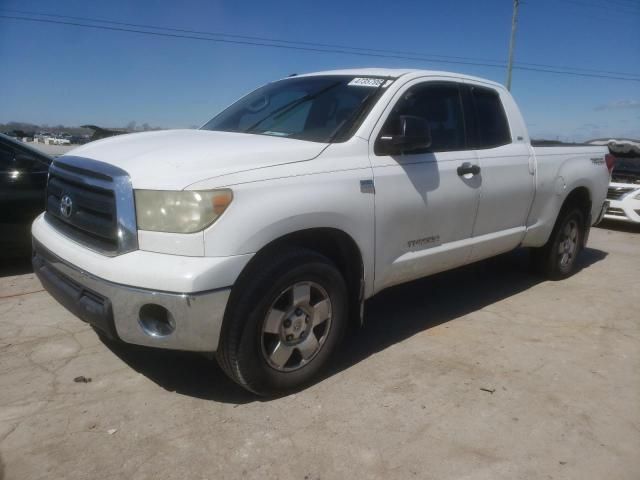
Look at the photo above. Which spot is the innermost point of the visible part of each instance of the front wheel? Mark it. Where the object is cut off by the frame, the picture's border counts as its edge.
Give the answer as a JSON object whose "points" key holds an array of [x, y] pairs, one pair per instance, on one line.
{"points": [[284, 323], [557, 258]]}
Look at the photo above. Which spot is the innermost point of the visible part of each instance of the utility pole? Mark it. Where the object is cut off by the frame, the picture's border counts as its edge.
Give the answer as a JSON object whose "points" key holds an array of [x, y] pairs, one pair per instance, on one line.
{"points": [[512, 43]]}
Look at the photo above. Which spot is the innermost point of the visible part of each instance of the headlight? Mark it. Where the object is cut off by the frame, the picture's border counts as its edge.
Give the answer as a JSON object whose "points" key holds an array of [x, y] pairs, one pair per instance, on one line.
{"points": [[637, 197], [181, 211]]}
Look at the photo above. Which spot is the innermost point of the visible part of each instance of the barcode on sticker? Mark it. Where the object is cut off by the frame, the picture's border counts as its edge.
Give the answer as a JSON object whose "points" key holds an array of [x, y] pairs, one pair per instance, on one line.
{"points": [[366, 82]]}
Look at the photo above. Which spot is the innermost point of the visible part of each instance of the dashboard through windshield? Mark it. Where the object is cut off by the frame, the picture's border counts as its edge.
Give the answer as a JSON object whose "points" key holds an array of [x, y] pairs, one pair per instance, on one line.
{"points": [[322, 108]]}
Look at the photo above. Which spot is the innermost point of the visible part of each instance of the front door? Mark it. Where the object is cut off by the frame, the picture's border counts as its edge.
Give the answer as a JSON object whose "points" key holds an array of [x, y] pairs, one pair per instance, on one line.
{"points": [[425, 207]]}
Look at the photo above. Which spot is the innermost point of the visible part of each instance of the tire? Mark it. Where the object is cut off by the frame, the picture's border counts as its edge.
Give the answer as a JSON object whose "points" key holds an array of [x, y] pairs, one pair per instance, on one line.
{"points": [[557, 258], [273, 340]]}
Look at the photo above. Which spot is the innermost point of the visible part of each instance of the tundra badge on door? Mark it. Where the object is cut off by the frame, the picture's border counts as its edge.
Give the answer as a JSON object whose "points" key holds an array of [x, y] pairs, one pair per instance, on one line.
{"points": [[432, 241]]}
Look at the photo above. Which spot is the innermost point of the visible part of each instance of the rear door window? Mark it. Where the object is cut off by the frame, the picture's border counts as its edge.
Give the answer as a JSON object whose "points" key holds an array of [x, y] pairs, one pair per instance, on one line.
{"points": [[492, 126]]}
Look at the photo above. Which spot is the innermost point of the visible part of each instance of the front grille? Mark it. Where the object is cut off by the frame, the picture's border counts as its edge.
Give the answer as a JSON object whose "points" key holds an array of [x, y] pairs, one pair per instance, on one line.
{"points": [[92, 203], [92, 215], [618, 212], [616, 193]]}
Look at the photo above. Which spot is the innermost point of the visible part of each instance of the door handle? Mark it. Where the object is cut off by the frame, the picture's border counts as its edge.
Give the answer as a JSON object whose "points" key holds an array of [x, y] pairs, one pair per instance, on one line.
{"points": [[367, 186], [466, 168]]}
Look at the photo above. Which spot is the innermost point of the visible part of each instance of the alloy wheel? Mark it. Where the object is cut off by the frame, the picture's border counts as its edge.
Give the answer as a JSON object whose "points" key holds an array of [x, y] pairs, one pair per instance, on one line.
{"points": [[296, 326]]}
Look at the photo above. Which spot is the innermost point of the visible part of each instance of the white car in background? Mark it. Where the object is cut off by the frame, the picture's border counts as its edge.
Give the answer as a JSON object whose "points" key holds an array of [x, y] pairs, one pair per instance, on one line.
{"points": [[624, 190]]}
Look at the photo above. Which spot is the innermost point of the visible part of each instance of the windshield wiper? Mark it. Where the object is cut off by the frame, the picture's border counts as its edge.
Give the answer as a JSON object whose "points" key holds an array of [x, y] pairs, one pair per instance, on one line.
{"points": [[283, 110]]}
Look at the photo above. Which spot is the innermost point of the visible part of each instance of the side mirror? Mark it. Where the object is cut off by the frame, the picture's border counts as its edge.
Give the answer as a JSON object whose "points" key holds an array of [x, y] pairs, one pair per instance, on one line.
{"points": [[410, 133]]}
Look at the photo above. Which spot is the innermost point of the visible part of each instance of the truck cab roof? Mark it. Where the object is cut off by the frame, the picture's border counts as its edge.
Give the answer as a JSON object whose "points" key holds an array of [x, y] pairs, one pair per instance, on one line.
{"points": [[401, 72]]}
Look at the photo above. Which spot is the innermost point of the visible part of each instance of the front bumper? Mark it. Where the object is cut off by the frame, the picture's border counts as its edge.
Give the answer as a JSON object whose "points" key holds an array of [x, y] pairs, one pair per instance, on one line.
{"points": [[627, 211], [626, 208], [115, 309]]}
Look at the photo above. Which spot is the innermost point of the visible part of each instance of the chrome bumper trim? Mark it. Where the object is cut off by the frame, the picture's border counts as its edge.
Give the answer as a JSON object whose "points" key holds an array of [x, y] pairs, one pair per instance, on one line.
{"points": [[198, 316]]}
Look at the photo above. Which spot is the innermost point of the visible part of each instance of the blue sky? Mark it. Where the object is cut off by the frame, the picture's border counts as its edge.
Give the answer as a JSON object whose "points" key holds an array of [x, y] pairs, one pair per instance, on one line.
{"points": [[57, 74]]}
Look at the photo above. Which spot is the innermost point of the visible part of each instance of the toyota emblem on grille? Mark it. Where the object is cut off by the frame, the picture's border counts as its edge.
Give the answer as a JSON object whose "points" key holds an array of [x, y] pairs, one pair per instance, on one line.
{"points": [[66, 206]]}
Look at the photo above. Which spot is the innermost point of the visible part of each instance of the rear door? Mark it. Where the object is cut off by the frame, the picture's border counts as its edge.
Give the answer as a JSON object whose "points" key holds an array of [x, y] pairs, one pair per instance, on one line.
{"points": [[424, 208], [508, 182]]}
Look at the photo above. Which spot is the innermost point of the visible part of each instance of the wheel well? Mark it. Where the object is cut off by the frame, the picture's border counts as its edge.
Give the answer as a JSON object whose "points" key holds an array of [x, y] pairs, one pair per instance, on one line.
{"points": [[579, 197], [334, 244]]}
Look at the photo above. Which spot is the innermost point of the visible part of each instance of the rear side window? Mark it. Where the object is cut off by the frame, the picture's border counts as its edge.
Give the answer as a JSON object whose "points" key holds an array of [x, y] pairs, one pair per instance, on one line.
{"points": [[491, 121]]}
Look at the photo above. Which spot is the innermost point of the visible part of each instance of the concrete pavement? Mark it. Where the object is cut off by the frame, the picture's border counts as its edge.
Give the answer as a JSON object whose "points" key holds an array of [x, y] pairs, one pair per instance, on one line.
{"points": [[485, 372]]}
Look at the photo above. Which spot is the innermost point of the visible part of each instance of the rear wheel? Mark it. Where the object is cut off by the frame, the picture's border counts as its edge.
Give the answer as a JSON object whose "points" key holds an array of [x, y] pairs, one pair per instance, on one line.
{"points": [[284, 323], [557, 258]]}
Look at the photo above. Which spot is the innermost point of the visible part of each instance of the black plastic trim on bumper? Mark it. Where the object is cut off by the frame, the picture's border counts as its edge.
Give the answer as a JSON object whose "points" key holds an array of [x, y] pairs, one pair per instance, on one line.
{"points": [[89, 306]]}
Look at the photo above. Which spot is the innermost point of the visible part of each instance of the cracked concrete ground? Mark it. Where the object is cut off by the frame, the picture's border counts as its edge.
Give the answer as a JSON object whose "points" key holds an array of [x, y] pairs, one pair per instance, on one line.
{"points": [[559, 363]]}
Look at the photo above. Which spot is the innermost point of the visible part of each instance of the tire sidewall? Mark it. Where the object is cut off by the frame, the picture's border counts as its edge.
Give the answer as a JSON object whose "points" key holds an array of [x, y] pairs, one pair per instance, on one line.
{"points": [[256, 373], [553, 257]]}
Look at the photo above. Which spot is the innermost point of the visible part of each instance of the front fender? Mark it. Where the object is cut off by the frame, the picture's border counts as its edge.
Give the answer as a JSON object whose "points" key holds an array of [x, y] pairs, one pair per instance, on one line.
{"points": [[264, 211]]}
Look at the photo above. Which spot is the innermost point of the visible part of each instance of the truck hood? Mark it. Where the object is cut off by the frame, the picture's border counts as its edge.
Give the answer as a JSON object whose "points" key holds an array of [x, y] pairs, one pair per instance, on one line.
{"points": [[174, 159]]}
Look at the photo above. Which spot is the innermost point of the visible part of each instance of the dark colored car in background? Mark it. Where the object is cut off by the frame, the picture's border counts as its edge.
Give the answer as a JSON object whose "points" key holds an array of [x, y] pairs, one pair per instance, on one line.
{"points": [[23, 179]]}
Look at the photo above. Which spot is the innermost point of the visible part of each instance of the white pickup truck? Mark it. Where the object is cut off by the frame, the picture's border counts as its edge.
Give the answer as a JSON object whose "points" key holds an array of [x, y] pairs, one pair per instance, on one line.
{"points": [[260, 235]]}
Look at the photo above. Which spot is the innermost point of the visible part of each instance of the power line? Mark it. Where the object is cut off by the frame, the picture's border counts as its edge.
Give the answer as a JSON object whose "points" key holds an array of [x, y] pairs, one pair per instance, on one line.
{"points": [[312, 49], [575, 73], [623, 3], [633, 3], [618, 3], [247, 37], [579, 69], [428, 57], [246, 42], [610, 4], [593, 5]]}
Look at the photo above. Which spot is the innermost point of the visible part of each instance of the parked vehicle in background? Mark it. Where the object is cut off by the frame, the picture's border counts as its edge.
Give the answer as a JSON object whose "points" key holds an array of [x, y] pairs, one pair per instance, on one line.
{"points": [[53, 139], [23, 179], [624, 189], [260, 235]]}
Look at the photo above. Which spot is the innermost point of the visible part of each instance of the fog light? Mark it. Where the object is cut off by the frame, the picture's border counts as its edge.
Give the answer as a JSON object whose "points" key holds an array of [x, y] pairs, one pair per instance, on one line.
{"points": [[156, 320]]}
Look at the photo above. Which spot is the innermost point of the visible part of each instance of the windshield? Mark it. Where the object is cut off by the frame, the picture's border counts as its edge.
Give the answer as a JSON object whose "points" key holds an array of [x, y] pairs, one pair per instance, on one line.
{"points": [[325, 108]]}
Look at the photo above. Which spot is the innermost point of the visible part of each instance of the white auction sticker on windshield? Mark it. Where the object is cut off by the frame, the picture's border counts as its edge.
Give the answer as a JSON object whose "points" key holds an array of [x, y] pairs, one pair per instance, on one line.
{"points": [[366, 82]]}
